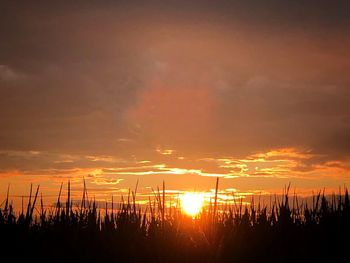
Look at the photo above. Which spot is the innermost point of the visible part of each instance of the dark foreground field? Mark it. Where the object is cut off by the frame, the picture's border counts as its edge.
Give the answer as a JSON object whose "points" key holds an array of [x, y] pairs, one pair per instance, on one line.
{"points": [[288, 231]]}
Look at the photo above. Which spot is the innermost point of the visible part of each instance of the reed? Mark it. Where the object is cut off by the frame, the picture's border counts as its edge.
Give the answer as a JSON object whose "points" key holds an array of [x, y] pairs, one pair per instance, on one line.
{"points": [[131, 233]]}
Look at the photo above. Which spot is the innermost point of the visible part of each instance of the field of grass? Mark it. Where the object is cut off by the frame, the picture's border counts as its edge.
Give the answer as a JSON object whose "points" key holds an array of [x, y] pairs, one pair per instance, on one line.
{"points": [[288, 230]]}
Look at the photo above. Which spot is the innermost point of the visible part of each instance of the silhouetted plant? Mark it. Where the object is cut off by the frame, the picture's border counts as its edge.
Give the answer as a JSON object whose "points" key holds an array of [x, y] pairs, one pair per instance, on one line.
{"points": [[130, 233]]}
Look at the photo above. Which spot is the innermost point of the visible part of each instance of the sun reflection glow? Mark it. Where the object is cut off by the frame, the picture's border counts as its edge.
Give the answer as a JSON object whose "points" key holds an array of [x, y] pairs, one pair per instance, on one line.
{"points": [[192, 203]]}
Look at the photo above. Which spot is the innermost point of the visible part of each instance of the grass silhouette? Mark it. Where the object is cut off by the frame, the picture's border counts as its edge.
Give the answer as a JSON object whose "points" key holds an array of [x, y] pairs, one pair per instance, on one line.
{"points": [[126, 233]]}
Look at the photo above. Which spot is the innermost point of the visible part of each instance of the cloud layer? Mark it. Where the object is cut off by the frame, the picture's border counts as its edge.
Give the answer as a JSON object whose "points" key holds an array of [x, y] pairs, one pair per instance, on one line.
{"points": [[168, 82]]}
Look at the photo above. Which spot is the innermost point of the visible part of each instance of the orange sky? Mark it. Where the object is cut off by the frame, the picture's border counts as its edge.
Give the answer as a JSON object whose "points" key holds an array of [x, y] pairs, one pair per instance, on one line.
{"points": [[182, 91]]}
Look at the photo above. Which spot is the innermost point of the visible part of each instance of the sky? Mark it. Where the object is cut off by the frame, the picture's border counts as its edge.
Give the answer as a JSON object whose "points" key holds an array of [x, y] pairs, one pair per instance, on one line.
{"points": [[254, 92]]}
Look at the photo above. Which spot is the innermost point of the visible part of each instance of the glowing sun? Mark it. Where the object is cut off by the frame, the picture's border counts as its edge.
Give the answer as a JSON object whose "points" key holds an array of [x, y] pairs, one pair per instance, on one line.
{"points": [[191, 203]]}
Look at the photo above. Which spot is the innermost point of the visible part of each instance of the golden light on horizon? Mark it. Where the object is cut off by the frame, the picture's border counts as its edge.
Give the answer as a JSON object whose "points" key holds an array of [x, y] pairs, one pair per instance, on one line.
{"points": [[192, 203]]}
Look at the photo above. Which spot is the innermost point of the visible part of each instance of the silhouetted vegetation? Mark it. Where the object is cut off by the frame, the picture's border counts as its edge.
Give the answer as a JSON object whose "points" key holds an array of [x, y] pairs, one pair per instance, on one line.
{"points": [[285, 231]]}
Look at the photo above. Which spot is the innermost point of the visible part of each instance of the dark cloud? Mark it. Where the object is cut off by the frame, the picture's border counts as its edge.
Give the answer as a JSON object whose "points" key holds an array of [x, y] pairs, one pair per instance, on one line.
{"points": [[215, 78]]}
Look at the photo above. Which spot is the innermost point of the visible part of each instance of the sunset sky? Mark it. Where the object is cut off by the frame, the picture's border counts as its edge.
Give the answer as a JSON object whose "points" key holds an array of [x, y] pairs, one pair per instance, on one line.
{"points": [[255, 92]]}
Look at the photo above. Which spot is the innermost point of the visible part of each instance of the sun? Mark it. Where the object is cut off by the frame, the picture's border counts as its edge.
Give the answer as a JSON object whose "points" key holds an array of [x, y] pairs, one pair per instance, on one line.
{"points": [[191, 203]]}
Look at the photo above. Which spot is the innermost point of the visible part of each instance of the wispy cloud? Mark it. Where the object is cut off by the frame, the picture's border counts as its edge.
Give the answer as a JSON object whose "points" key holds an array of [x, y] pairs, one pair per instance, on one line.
{"points": [[279, 163], [160, 169], [164, 151]]}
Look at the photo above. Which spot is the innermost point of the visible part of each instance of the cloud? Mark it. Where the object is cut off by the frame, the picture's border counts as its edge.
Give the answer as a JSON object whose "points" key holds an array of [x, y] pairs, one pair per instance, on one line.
{"points": [[7, 74], [106, 85]]}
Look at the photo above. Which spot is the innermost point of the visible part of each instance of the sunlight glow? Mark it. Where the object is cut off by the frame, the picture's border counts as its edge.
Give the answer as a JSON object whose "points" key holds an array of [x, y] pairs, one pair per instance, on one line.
{"points": [[191, 203]]}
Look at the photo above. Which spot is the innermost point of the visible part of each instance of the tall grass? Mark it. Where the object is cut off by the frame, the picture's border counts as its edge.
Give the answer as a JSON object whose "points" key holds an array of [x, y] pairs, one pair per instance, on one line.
{"points": [[127, 232]]}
